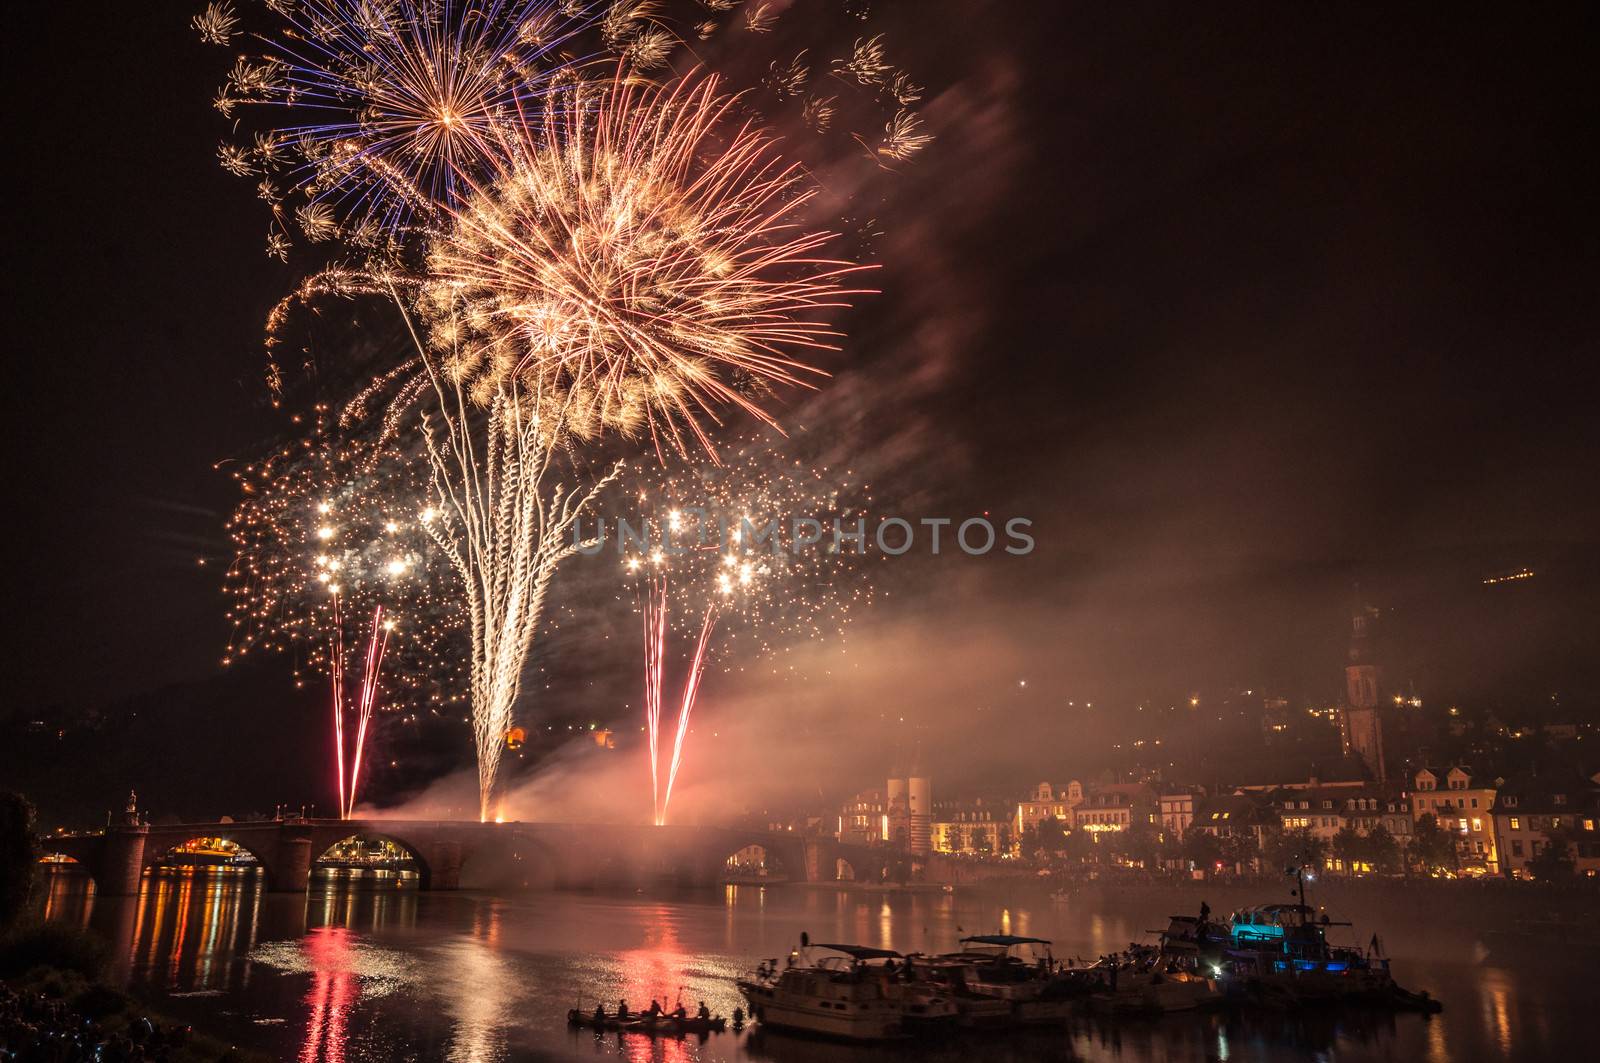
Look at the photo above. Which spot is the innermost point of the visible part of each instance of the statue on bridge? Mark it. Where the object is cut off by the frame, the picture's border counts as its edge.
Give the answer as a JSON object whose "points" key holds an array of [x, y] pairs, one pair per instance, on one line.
{"points": [[130, 815]]}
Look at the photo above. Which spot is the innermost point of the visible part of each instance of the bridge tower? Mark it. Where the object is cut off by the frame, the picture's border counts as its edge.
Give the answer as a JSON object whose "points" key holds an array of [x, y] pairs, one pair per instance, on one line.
{"points": [[1360, 724], [919, 806], [121, 862]]}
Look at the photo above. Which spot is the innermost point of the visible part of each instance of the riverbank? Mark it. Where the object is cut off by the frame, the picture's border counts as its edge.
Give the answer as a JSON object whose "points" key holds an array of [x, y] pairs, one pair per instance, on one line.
{"points": [[53, 1005]]}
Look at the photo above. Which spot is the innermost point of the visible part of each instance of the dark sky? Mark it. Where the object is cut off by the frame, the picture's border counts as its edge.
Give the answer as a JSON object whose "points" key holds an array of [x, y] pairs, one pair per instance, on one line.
{"points": [[1243, 307]]}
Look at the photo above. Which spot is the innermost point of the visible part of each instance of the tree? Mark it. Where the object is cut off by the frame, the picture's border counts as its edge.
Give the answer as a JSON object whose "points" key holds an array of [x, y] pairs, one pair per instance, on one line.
{"points": [[1350, 848], [1203, 849], [1288, 849], [1171, 848], [1030, 844], [1553, 862], [1432, 847], [1137, 843], [1052, 837], [18, 856], [1240, 850], [1383, 851], [1078, 844]]}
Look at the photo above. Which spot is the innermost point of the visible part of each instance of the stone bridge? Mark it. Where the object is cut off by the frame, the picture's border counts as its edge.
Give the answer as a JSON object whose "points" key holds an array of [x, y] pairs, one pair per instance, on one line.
{"points": [[490, 855]]}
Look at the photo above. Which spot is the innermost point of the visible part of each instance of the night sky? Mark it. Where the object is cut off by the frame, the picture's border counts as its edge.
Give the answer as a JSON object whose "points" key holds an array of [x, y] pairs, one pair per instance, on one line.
{"points": [[1255, 312]]}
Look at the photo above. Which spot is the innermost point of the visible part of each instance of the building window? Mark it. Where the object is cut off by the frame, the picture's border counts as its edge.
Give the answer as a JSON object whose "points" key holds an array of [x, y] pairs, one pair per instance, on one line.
{"points": [[1474, 802], [1516, 824], [1516, 848], [1588, 824]]}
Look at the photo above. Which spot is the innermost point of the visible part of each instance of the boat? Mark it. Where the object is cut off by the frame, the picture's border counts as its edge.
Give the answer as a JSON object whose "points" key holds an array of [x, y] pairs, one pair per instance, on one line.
{"points": [[658, 1025], [1151, 990], [1040, 990], [1279, 955], [955, 978], [851, 992]]}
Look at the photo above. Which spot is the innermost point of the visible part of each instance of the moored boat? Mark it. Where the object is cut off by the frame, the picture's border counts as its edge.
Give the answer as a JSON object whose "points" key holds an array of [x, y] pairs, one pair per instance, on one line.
{"points": [[846, 991]]}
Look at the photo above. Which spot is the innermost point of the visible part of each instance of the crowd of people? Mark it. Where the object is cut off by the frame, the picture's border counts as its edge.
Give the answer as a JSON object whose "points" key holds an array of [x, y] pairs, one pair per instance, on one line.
{"points": [[35, 1028]]}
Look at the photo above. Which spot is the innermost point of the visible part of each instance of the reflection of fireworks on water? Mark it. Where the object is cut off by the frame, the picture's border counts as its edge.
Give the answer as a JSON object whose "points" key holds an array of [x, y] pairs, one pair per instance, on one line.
{"points": [[740, 555], [331, 549]]}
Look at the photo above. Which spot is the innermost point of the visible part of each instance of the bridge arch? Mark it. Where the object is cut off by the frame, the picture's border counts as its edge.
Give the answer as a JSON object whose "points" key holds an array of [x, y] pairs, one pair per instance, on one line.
{"points": [[754, 862], [54, 858], [207, 850], [365, 849]]}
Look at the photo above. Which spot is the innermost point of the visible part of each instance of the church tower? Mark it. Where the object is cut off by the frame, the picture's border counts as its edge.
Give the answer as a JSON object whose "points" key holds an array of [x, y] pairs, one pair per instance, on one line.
{"points": [[1360, 725]]}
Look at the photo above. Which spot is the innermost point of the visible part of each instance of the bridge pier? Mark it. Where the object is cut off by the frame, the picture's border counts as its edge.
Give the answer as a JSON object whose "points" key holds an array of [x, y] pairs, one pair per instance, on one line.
{"points": [[444, 866], [288, 867], [121, 864]]}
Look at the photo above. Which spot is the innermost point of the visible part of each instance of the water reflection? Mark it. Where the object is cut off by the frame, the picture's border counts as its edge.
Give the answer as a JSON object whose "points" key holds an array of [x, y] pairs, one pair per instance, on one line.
{"points": [[334, 990], [476, 983], [361, 969]]}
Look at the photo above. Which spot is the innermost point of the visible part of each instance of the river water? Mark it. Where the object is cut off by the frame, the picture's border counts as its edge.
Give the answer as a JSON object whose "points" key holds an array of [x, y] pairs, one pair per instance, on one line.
{"points": [[368, 969]]}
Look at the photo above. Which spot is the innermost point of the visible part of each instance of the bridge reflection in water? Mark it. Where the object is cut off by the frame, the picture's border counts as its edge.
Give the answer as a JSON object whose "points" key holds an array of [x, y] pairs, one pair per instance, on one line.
{"points": [[362, 969]]}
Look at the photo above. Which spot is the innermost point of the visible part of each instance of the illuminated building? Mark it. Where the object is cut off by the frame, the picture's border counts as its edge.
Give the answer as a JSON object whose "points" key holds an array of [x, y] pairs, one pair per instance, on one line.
{"points": [[1324, 811], [864, 819], [1115, 806], [1532, 812], [1397, 818], [961, 828], [1462, 809], [1048, 802], [1239, 815], [1177, 809]]}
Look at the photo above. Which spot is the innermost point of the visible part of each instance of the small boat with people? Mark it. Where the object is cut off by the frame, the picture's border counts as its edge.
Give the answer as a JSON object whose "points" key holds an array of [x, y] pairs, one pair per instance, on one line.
{"points": [[654, 1021]]}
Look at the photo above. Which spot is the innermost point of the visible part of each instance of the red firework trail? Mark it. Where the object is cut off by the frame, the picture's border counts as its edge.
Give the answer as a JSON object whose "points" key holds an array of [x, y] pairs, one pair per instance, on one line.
{"points": [[338, 700], [366, 701], [691, 690], [377, 642]]}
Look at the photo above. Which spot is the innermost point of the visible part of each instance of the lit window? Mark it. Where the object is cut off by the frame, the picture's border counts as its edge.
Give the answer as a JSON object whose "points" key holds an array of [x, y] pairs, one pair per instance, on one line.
{"points": [[1588, 824], [1516, 824]]}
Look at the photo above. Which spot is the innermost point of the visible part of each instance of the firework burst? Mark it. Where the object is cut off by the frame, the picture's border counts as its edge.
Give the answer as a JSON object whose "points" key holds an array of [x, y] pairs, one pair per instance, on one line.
{"points": [[639, 261], [378, 108], [742, 556], [331, 550]]}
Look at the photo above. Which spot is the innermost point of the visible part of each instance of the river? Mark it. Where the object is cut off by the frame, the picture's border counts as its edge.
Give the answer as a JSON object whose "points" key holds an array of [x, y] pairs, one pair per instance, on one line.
{"points": [[368, 969]]}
